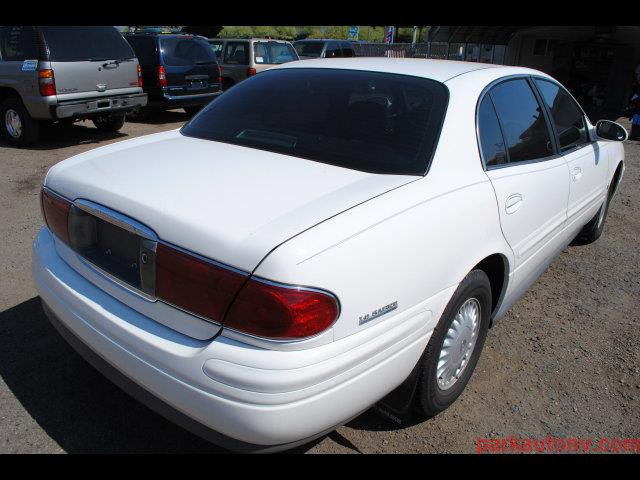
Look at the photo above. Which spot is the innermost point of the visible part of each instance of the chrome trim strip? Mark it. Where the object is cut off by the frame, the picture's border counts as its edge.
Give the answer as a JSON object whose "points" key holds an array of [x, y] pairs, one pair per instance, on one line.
{"points": [[116, 218]]}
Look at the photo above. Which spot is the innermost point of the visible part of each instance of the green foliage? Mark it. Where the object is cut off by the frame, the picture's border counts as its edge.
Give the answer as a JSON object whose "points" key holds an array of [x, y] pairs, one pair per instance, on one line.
{"points": [[368, 34]]}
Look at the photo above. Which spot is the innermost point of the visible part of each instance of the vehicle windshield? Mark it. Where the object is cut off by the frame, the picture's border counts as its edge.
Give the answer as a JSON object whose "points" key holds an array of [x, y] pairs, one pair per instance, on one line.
{"points": [[368, 121], [273, 53], [85, 43], [309, 49], [186, 50]]}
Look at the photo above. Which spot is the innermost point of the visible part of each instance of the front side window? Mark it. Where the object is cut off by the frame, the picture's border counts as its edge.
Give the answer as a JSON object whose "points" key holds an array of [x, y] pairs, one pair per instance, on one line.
{"points": [[566, 115], [523, 122], [368, 121], [490, 136], [18, 43]]}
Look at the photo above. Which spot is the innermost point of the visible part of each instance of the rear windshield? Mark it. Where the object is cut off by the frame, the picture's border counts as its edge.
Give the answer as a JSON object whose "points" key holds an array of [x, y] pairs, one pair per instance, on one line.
{"points": [[82, 43], [309, 49], [183, 51], [369, 121], [273, 53]]}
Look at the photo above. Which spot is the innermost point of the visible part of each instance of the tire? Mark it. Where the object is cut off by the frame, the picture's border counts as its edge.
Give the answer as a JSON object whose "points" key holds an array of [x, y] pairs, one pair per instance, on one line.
{"points": [[593, 230], [433, 396], [109, 123], [18, 128], [191, 111]]}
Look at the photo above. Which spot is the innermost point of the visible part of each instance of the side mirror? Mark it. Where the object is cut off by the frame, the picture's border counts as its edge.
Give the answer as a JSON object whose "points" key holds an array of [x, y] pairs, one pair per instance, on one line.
{"points": [[609, 130]]}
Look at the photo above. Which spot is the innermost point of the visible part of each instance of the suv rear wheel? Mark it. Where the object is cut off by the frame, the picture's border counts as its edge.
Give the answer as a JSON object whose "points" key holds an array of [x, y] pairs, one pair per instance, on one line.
{"points": [[17, 125], [109, 123]]}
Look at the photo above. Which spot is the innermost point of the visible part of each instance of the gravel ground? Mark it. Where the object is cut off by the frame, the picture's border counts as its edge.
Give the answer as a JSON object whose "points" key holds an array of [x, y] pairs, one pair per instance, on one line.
{"points": [[564, 362]]}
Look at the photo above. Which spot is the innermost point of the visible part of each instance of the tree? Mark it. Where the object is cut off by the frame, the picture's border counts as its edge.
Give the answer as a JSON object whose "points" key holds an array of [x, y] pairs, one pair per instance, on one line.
{"points": [[208, 32]]}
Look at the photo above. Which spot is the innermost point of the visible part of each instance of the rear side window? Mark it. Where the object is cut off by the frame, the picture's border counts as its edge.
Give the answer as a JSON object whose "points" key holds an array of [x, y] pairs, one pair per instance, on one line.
{"points": [[273, 53], [236, 53], [566, 115], [347, 50], [333, 50], [145, 49], [18, 43], [522, 119], [217, 49], [489, 133], [369, 121], [309, 49], [79, 43], [184, 51]]}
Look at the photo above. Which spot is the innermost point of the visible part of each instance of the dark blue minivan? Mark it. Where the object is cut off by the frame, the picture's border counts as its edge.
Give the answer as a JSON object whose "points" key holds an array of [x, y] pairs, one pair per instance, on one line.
{"points": [[178, 70]]}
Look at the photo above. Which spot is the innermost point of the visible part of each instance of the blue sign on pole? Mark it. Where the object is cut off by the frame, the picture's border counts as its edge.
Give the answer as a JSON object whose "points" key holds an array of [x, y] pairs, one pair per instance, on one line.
{"points": [[353, 33]]}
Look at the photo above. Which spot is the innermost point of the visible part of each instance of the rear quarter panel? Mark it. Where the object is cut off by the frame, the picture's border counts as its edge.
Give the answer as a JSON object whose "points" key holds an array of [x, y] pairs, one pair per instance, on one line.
{"points": [[407, 245]]}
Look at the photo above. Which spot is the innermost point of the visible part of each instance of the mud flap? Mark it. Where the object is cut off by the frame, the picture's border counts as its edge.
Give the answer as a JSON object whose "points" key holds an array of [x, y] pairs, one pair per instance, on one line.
{"points": [[397, 406]]}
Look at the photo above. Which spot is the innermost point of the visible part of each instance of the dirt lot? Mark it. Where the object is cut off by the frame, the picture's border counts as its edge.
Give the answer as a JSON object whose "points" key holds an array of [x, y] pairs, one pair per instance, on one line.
{"points": [[564, 362]]}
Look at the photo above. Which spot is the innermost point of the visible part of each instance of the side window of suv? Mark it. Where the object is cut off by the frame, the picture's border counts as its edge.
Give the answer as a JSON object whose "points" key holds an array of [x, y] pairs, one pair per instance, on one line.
{"points": [[333, 50], [236, 53], [217, 49], [18, 43], [145, 49], [522, 119], [347, 49], [566, 115]]}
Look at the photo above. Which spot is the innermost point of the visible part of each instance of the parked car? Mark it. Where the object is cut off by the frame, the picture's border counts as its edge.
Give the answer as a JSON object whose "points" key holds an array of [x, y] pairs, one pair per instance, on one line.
{"points": [[317, 237], [65, 74], [242, 58], [178, 71], [327, 48]]}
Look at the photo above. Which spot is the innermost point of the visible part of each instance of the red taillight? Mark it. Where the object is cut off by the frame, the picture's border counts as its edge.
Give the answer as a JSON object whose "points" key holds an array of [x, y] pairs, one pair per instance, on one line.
{"points": [[281, 312], [193, 284], [219, 74], [251, 71], [162, 77], [139, 76], [56, 213], [46, 82]]}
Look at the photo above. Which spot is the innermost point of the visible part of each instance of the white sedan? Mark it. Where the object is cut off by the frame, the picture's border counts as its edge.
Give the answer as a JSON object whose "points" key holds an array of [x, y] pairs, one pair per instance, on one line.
{"points": [[324, 235]]}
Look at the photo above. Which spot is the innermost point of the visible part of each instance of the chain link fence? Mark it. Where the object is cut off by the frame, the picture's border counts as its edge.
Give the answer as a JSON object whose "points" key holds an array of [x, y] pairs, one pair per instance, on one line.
{"points": [[445, 51]]}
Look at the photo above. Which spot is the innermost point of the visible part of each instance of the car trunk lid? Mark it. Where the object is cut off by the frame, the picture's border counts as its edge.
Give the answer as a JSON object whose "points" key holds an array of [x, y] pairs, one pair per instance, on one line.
{"points": [[228, 203]]}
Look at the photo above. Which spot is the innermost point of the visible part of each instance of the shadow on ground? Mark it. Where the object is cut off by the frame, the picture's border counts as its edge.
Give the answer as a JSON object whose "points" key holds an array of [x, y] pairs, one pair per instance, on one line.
{"points": [[81, 410], [159, 117], [76, 406], [54, 136]]}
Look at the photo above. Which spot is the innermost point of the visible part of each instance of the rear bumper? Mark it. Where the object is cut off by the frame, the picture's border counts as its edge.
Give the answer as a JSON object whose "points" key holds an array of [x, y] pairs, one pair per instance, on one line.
{"points": [[233, 394], [176, 101], [99, 106]]}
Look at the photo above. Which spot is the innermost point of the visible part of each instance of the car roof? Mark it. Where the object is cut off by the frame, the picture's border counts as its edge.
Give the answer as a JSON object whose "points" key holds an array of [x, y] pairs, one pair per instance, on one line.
{"points": [[439, 70]]}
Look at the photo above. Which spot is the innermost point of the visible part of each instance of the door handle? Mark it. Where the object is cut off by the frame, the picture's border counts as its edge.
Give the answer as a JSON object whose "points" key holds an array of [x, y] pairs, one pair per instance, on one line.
{"points": [[513, 203], [576, 174]]}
